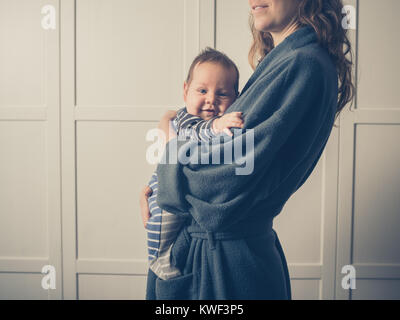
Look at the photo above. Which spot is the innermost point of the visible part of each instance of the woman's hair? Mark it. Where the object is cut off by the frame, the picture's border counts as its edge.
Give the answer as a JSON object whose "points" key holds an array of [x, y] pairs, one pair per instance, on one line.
{"points": [[325, 17], [214, 56]]}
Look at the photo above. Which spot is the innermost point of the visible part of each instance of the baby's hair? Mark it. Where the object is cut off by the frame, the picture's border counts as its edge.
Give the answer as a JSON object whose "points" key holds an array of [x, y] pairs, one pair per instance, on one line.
{"points": [[214, 56]]}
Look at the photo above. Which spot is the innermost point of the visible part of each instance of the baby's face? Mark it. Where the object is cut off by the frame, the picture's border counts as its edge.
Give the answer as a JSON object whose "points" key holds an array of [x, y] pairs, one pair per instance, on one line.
{"points": [[211, 90]]}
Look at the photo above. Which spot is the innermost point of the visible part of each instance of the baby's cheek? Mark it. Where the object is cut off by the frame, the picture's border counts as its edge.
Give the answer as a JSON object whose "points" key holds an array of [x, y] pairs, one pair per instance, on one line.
{"points": [[225, 106], [192, 108]]}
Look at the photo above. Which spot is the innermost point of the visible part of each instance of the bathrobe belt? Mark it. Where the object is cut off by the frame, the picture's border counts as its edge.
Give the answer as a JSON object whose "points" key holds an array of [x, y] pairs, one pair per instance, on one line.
{"points": [[244, 230]]}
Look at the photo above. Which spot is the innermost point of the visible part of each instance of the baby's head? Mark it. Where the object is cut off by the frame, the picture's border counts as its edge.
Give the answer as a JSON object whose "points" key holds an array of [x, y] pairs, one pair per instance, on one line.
{"points": [[212, 84]]}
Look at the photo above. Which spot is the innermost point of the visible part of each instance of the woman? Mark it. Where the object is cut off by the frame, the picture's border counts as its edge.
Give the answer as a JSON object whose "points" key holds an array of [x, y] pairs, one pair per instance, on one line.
{"points": [[228, 249]]}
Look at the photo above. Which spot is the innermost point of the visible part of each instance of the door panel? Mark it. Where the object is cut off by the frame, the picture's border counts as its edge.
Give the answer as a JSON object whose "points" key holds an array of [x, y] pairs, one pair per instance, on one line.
{"points": [[30, 195], [124, 65]]}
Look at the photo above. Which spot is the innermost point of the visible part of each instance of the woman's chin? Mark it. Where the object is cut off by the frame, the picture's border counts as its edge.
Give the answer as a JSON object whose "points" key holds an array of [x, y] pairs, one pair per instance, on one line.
{"points": [[262, 25]]}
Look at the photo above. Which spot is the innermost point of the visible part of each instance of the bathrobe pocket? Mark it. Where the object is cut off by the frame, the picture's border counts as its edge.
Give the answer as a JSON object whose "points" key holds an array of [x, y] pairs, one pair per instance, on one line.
{"points": [[185, 286], [179, 288]]}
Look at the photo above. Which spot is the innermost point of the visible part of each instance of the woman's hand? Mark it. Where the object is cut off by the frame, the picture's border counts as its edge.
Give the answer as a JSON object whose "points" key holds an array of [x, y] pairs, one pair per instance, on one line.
{"points": [[164, 125], [144, 205], [228, 120], [170, 114]]}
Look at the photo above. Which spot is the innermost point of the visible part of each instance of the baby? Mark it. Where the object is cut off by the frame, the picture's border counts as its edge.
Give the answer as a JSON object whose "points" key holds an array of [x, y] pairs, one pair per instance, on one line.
{"points": [[210, 88]]}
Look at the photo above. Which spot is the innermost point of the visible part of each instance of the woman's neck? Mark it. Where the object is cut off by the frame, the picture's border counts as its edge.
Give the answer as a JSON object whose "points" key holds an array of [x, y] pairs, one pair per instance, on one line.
{"points": [[278, 37]]}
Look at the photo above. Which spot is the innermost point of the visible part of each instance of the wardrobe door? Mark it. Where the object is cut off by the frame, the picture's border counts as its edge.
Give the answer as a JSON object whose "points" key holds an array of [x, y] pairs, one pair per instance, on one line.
{"points": [[369, 181], [123, 65], [30, 207]]}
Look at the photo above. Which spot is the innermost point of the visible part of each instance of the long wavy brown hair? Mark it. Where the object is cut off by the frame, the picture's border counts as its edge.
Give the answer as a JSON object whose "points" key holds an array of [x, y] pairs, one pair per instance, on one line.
{"points": [[325, 17]]}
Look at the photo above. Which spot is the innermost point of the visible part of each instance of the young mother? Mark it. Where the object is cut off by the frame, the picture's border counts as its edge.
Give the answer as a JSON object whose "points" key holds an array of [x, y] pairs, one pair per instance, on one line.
{"points": [[228, 249]]}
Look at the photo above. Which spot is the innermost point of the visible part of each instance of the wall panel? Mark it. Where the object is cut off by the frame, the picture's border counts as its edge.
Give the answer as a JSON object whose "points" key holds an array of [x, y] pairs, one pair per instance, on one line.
{"points": [[376, 213], [111, 287], [109, 154], [378, 62], [121, 52], [22, 286]]}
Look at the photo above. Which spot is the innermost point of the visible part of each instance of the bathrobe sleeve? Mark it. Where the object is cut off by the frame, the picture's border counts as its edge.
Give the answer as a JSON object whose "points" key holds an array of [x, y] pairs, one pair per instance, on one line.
{"points": [[278, 109]]}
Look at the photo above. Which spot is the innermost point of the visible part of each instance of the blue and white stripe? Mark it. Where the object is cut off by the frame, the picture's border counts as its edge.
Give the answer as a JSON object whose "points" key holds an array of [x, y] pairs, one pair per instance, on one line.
{"points": [[163, 227]]}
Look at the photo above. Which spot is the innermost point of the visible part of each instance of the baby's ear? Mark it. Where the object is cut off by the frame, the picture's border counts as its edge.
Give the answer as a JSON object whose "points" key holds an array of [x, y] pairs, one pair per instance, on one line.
{"points": [[185, 90]]}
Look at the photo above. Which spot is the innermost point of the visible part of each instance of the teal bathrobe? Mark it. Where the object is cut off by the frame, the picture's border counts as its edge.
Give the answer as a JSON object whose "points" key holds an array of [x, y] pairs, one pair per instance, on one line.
{"points": [[228, 248]]}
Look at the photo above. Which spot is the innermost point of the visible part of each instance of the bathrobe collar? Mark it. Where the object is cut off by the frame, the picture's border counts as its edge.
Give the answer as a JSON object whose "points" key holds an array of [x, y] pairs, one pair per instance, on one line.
{"points": [[300, 38]]}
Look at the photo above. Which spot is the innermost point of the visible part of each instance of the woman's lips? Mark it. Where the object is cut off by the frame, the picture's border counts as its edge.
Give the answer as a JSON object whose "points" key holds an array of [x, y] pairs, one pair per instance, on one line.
{"points": [[259, 8]]}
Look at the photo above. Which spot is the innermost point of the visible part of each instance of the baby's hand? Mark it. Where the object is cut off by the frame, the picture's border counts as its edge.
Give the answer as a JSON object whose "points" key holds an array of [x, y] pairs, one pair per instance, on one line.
{"points": [[164, 124], [229, 120]]}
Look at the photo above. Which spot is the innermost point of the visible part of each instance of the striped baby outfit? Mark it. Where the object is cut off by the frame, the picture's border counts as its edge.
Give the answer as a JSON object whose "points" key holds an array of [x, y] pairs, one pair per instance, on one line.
{"points": [[162, 226]]}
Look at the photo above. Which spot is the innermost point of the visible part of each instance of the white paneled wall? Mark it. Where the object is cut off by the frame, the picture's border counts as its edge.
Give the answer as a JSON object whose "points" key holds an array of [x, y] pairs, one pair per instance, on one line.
{"points": [[76, 104]]}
